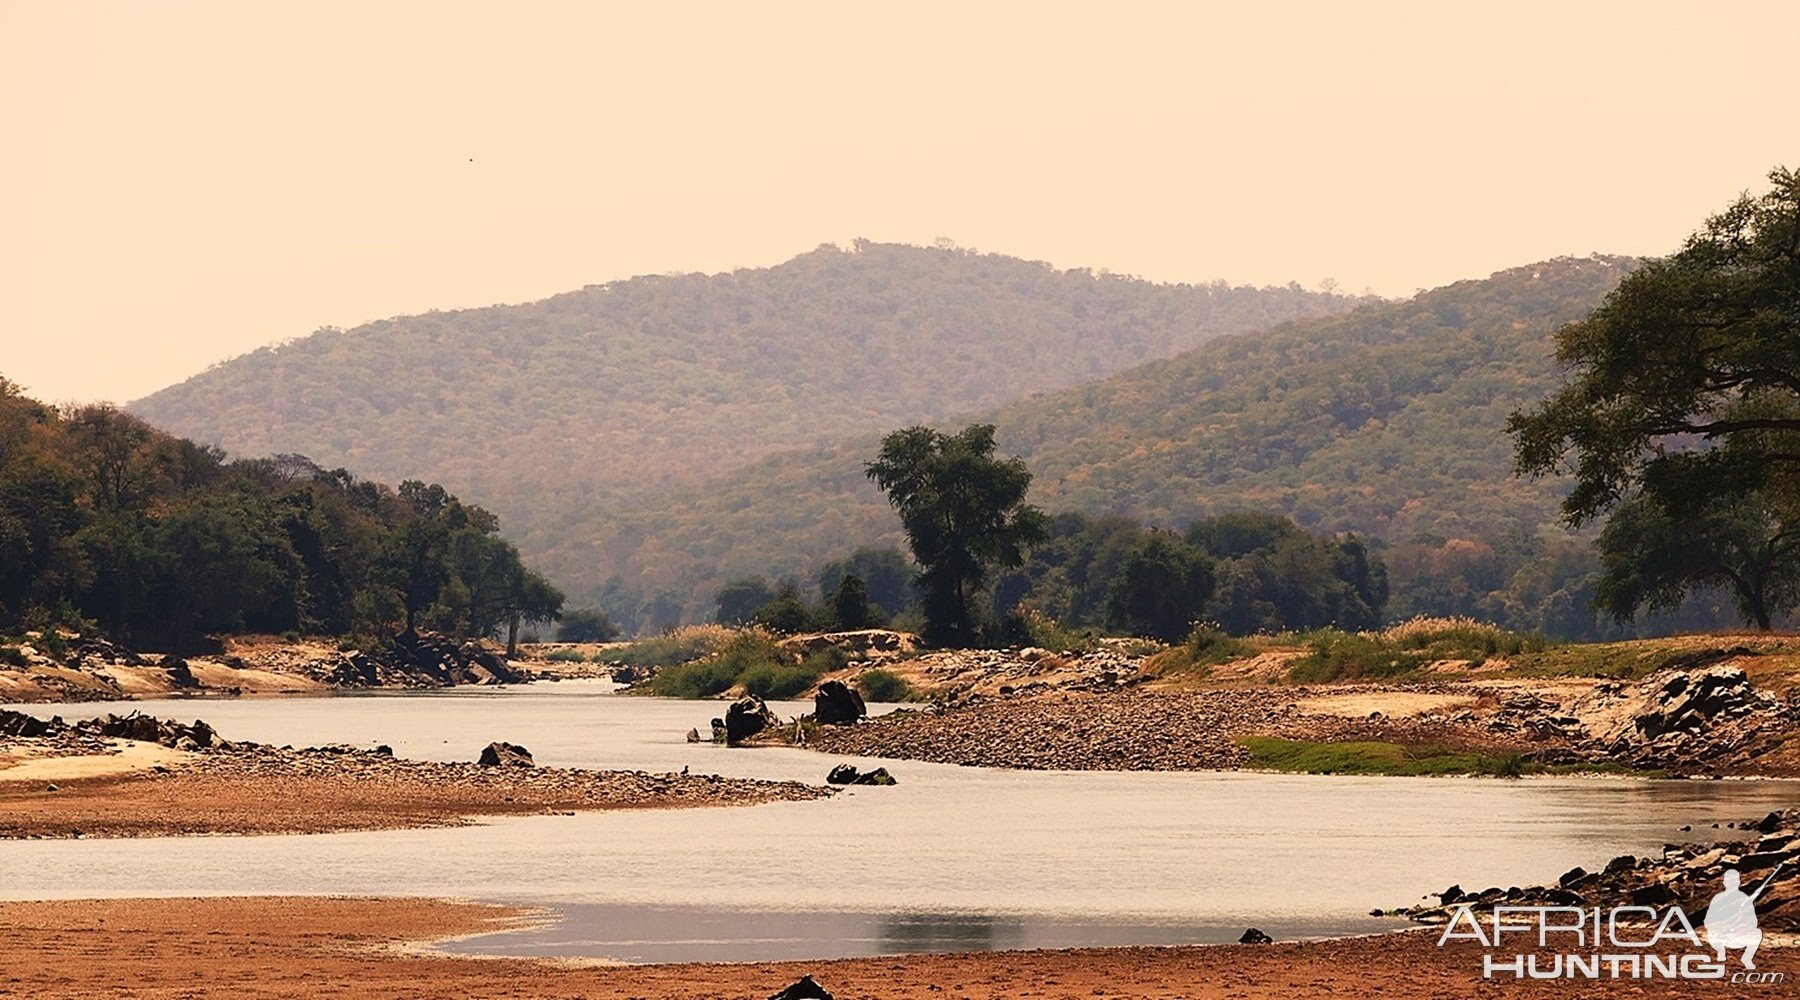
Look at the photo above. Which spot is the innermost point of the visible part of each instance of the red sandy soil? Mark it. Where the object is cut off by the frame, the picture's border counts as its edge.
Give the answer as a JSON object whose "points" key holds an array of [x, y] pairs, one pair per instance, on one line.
{"points": [[350, 948]]}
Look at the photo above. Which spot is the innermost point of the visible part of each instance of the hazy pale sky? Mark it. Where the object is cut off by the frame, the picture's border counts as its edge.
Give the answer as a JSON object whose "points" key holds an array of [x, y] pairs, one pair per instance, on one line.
{"points": [[183, 182]]}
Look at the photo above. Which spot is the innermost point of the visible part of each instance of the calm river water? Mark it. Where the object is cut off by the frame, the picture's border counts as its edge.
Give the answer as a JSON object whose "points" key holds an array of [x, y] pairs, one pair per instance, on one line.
{"points": [[950, 859]]}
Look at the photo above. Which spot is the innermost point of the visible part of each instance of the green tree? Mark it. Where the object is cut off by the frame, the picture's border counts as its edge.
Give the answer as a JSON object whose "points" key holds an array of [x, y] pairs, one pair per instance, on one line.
{"points": [[1741, 545], [788, 613], [1161, 590], [884, 570], [849, 604], [964, 512], [1685, 382], [1273, 575], [586, 625], [739, 599]]}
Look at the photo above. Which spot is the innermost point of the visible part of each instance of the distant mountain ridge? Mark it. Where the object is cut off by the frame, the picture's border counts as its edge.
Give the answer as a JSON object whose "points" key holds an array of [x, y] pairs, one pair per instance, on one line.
{"points": [[637, 386], [1387, 420]]}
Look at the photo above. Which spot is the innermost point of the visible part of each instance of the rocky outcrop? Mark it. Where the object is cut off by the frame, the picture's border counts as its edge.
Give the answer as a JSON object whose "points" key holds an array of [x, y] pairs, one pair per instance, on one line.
{"points": [[30, 726], [1684, 874], [847, 774], [92, 651], [1252, 935], [1701, 721], [505, 755], [959, 673], [801, 989], [838, 704], [417, 660], [149, 729], [745, 718]]}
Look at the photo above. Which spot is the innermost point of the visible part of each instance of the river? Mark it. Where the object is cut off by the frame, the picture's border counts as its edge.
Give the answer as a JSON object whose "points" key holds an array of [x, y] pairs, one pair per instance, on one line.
{"points": [[949, 859]]}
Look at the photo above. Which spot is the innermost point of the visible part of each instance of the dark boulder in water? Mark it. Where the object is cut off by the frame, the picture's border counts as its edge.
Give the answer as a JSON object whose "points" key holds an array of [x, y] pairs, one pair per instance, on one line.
{"points": [[745, 718], [837, 704], [506, 755]]}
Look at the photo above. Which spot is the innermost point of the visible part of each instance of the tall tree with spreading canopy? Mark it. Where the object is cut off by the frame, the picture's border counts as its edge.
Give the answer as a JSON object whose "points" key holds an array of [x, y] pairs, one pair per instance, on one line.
{"points": [[1684, 397], [1686, 380], [1740, 545], [964, 512]]}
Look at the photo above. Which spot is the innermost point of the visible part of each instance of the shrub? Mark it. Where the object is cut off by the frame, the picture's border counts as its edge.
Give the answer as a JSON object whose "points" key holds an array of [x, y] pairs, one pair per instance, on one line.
{"points": [[882, 684], [1334, 656], [1032, 627], [681, 645], [1405, 648], [12, 655], [778, 681], [698, 679], [1208, 646], [829, 660], [1459, 638], [50, 641], [744, 652]]}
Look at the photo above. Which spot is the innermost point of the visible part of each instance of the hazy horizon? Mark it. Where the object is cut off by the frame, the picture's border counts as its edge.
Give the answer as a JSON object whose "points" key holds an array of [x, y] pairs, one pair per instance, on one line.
{"points": [[189, 181]]}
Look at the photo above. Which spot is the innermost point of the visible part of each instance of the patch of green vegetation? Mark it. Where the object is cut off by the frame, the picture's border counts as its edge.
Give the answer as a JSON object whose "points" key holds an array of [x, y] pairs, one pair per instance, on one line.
{"points": [[1404, 649], [683, 645], [778, 681], [1461, 638], [751, 658], [1633, 660], [12, 656], [1271, 753], [1034, 628], [884, 685], [699, 679], [1373, 757], [1337, 656], [1206, 647]]}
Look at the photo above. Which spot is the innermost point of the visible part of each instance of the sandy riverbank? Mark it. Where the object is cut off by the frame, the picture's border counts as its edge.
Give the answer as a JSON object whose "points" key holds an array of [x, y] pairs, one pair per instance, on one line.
{"points": [[79, 782], [354, 948]]}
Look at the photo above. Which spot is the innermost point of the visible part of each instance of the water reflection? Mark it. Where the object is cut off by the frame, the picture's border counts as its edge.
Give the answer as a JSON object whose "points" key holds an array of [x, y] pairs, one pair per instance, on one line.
{"points": [[690, 934]]}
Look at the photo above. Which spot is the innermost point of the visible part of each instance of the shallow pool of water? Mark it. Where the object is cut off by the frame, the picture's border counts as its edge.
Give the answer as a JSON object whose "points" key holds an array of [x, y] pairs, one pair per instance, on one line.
{"points": [[952, 857]]}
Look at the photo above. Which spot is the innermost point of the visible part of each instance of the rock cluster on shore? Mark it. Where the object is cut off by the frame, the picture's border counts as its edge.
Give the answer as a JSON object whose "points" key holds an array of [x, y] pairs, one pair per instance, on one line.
{"points": [[86, 668], [1697, 722], [1701, 721], [1684, 874]]}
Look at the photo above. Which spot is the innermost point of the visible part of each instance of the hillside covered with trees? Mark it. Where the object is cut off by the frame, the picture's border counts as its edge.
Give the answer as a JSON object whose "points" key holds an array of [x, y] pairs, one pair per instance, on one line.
{"points": [[106, 521], [1389, 421], [640, 385]]}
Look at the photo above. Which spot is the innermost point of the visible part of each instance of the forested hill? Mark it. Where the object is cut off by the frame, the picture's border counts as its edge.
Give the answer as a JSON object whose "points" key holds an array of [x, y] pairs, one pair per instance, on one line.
{"points": [[640, 384], [1387, 420]]}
